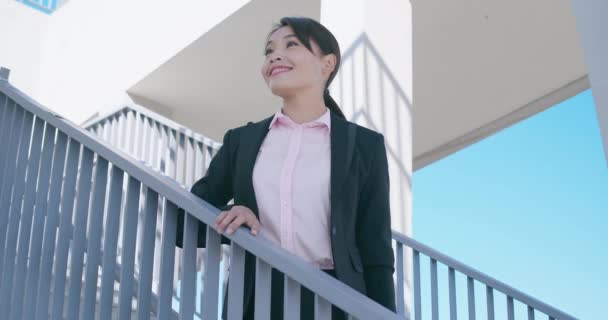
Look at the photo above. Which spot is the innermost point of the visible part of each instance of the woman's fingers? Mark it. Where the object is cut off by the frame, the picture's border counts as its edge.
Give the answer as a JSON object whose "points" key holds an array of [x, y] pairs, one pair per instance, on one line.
{"points": [[220, 217], [235, 224], [253, 224], [233, 219], [225, 221]]}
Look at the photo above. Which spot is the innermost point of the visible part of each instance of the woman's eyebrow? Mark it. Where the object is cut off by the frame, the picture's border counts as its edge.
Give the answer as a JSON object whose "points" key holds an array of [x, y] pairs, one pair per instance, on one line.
{"points": [[285, 37]]}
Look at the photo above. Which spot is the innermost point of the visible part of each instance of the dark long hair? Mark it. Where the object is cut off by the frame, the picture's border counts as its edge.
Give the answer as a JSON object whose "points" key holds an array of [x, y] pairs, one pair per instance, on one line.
{"points": [[306, 29]]}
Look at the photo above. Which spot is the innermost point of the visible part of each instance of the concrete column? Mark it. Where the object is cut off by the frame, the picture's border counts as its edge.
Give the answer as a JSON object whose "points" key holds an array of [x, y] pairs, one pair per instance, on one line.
{"points": [[374, 88], [592, 23]]}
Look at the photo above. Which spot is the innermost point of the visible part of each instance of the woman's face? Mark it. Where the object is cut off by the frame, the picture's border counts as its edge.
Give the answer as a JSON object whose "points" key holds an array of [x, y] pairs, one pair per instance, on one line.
{"points": [[289, 67]]}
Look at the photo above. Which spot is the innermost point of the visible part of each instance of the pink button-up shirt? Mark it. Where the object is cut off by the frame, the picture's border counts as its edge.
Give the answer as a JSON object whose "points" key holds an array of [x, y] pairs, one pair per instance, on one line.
{"points": [[291, 179]]}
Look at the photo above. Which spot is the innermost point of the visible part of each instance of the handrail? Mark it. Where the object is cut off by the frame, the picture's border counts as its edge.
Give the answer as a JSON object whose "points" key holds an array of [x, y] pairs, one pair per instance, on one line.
{"points": [[481, 277], [323, 285]]}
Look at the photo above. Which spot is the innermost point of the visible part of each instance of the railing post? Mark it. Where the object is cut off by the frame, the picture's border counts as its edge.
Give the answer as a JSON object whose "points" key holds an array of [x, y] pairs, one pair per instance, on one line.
{"points": [[4, 74]]}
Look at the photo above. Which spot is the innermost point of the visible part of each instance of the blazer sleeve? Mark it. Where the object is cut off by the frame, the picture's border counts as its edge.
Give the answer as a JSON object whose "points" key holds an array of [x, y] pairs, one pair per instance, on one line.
{"points": [[215, 188], [374, 235]]}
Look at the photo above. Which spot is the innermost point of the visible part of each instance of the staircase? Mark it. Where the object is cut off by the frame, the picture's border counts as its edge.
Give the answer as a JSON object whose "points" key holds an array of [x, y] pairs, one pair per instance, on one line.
{"points": [[88, 222]]}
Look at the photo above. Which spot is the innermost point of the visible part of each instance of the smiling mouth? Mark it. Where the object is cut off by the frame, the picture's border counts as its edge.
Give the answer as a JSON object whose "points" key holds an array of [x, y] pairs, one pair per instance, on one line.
{"points": [[278, 71]]}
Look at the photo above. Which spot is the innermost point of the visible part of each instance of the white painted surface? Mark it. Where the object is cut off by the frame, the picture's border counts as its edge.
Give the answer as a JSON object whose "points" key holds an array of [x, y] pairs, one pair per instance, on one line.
{"points": [[592, 25], [88, 53], [22, 32], [479, 61]]}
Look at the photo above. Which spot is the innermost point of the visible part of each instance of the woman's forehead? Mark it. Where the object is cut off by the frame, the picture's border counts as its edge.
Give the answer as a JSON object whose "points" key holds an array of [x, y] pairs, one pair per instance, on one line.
{"points": [[280, 34]]}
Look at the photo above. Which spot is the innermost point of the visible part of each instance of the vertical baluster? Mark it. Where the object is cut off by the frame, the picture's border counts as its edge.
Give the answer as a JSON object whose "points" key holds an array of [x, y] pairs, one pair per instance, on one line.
{"points": [[3, 110], [510, 311], [322, 308], [211, 276], [50, 228], [417, 302], [452, 289], [291, 299], [94, 241], [471, 296], [434, 291], [155, 146], [37, 227], [171, 172], [115, 132], [79, 237], [131, 136], [164, 146], [9, 179], [8, 120], [190, 152], [400, 280], [27, 212], [14, 211], [530, 313], [263, 274], [65, 228], [157, 239], [167, 256], [148, 236], [200, 162], [141, 134], [129, 235], [110, 239], [122, 132], [236, 283], [490, 302], [179, 165], [107, 130], [186, 306]]}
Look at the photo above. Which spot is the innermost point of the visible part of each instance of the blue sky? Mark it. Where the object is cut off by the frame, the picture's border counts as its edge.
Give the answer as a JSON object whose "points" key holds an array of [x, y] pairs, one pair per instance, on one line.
{"points": [[527, 206]]}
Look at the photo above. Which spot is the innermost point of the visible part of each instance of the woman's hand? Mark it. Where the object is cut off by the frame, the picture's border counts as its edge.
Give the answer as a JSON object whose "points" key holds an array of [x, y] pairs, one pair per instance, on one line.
{"points": [[234, 218]]}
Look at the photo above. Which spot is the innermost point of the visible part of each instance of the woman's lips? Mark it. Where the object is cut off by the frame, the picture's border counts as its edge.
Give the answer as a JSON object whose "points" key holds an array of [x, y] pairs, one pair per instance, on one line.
{"points": [[279, 70]]}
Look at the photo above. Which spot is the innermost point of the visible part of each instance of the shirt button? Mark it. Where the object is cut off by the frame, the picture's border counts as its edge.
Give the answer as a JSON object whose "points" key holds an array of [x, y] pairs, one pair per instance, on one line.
{"points": [[333, 231]]}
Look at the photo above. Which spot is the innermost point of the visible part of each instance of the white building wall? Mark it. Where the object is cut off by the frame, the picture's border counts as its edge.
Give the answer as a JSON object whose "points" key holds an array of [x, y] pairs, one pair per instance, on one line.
{"points": [[86, 54], [22, 33]]}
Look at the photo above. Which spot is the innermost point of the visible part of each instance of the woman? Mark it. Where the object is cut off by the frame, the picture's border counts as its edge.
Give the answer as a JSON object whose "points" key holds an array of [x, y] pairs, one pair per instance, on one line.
{"points": [[306, 178]]}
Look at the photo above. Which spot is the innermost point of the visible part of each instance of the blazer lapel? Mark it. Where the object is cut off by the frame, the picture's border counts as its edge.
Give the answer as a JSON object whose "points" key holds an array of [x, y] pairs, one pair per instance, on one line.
{"points": [[251, 142], [342, 148]]}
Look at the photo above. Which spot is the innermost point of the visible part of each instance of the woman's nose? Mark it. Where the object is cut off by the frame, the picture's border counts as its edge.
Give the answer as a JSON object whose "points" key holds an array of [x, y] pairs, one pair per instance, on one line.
{"points": [[275, 57]]}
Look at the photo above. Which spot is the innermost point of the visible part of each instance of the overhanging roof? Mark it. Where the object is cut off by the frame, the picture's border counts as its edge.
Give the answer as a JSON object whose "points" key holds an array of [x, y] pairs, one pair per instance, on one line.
{"points": [[479, 67]]}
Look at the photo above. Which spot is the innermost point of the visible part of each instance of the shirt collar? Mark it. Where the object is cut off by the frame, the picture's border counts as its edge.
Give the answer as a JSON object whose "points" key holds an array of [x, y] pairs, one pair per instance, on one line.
{"points": [[323, 120]]}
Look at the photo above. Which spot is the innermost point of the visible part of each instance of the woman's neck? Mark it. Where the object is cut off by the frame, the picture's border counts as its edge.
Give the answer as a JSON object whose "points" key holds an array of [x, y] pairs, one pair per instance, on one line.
{"points": [[304, 108]]}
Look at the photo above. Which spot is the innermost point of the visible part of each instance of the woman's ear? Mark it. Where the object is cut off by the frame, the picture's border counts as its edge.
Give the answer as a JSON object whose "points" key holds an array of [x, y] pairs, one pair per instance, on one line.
{"points": [[329, 63]]}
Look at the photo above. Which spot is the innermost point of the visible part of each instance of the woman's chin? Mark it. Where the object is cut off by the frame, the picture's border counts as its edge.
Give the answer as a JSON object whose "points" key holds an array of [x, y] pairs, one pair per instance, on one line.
{"points": [[281, 90]]}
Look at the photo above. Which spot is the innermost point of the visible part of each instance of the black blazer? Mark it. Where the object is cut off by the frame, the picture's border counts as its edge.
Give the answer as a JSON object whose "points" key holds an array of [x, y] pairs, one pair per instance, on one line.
{"points": [[360, 210]]}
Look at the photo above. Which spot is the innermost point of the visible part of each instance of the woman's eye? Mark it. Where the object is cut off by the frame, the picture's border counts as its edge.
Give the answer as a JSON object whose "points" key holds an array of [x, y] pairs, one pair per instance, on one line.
{"points": [[267, 52], [290, 43]]}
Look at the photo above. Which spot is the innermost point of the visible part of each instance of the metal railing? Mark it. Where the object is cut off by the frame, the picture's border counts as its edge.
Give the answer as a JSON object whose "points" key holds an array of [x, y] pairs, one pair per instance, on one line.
{"points": [[527, 306], [517, 304], [61, 196], [170, 149]]}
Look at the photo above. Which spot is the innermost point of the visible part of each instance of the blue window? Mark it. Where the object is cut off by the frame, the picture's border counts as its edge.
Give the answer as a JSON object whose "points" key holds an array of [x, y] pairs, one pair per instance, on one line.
{"points": [[46, 6]]}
